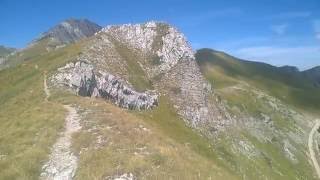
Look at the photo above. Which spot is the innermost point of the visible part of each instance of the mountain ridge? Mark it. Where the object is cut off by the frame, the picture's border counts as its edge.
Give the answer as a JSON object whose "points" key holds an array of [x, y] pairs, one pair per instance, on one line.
{"points": [[151, 109], [314, 74], [287, 71], [69, 31], [66, 32]]}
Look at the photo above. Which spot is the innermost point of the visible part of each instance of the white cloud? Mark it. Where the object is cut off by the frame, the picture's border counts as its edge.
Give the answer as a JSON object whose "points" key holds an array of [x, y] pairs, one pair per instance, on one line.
{"points": [[279, 29], [316, 27], [302, 57]]}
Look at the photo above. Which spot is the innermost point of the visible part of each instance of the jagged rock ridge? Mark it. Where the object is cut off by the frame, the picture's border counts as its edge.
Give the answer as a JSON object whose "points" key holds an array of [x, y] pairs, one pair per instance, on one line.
{"points": [[164, 57]]}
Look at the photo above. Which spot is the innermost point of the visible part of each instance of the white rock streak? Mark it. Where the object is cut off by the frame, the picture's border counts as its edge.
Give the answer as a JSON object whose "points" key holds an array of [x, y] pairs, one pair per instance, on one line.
{"points": [[46, 89], [311, 148], [62, 162]]}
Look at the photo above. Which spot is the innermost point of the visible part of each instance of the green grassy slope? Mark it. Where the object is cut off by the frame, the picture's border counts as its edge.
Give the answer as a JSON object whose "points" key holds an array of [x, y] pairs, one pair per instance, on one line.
{"points": [[153, 144], [30, 125], [289, 87], [251, 90], [29, 53]]}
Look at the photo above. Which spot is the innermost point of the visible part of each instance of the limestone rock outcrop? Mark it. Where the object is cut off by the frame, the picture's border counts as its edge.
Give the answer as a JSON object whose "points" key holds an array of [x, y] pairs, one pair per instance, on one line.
{"points": [[82, 78]]}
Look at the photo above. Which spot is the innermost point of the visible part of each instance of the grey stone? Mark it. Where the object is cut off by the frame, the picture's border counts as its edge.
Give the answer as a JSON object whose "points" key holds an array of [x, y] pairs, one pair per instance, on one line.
{"points": [[82, 78]]}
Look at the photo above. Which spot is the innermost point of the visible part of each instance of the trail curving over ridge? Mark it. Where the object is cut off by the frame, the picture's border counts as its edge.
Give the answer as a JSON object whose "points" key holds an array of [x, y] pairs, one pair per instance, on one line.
{"points": [[311, 148]]}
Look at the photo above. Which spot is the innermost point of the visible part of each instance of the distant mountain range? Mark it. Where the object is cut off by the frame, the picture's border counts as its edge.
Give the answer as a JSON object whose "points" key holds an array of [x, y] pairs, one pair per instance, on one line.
{"points": [[66, 32], [4, 52], [285, 74], [313, 74]]}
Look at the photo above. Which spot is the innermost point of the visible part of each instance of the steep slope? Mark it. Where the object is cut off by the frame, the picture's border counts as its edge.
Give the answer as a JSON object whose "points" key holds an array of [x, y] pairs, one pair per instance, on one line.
{"points": [[284, 83], [271, 136]]}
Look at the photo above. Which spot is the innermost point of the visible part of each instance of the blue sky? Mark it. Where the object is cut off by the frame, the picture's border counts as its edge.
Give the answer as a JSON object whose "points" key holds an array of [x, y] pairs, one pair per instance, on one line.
{"points": [[277, 32]]}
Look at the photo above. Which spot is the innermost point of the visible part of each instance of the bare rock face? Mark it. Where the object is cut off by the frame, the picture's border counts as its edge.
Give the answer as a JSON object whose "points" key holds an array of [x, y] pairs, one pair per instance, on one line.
{"points": [[82, 78], [163, 42], [194, 99]]}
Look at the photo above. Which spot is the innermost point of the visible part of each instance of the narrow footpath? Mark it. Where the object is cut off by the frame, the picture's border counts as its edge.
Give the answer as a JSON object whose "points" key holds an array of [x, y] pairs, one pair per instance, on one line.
{"points": [[62, 163]]}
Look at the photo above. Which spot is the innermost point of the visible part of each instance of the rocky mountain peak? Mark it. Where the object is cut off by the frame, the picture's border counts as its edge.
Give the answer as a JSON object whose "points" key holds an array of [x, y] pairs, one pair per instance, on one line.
{"points": [[156, 39], [140, 57], [70, 30]]}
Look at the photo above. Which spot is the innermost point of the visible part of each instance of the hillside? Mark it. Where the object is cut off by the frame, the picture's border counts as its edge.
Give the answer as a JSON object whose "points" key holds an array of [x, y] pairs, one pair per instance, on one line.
{"points": [[113, 141], [285, 83], [314, 75], [132, 101]]}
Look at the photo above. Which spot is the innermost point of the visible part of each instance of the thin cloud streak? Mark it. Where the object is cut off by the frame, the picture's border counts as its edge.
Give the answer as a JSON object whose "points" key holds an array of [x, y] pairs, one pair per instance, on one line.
{"points": [[279, 29], [316, 27], [204, 17], [302, 57], [290, 15]]}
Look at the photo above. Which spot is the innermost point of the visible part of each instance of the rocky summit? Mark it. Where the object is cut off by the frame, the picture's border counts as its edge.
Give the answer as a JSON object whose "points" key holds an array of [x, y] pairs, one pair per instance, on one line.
{"points": [[69, 31], [163, 55]]}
